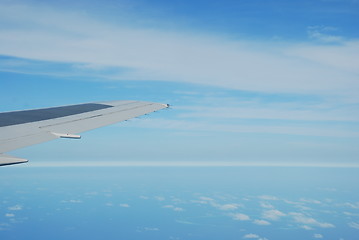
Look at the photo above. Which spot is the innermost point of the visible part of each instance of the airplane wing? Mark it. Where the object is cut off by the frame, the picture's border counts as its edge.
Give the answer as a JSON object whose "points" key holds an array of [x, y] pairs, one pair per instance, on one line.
{"points": [[24, 128]]}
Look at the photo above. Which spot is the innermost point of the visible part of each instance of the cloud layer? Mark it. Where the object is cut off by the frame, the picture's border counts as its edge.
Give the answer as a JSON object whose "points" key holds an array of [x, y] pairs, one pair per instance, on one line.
{"points": [[155, 54]]}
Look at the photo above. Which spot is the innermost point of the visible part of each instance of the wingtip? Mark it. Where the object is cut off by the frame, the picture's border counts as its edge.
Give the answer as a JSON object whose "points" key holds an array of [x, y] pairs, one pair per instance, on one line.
{"points": [[166, 105]]}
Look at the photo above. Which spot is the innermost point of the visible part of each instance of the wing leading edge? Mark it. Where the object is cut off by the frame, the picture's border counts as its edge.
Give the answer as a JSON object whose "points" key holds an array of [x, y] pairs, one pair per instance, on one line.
{"points": [[24, 128]]}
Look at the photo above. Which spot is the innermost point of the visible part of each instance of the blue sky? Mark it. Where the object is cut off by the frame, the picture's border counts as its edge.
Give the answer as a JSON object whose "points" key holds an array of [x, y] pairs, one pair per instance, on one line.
{"points": [[261, 140], [265, 82]]}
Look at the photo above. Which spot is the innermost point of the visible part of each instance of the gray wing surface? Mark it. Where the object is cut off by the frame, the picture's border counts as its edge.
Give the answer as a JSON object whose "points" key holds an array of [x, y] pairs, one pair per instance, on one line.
{"points": [[24, 128]]}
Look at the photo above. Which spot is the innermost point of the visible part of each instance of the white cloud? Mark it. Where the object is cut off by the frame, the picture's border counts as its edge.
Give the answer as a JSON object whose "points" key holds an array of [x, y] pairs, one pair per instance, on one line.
{"points": [[273, 214], [213, 203], [261, 222], [321, 55], [9, 215], [208, 199], [204, 200], [4, 226], [266, 205], [70, 36], [125, 205], [303, 208], [185, 222], [178, 209], [142, 229], [250, 235], [240, 217], [151, 229], [260, 110], [226, 207], [92, 193], [305, 227], [174, 208], [301, 218], [177, 200], [268, 197], [322, 34], [292, 202], [310, 201], [353, 225], [168, 206], [15, 208], [205, 125], [253, 236], [199, 201], [352, 205], [71, 201], [351, 214], [159, 198], [317, 235]]}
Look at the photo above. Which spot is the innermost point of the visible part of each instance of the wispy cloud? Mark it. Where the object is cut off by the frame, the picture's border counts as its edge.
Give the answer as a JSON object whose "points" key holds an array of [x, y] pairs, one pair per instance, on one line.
{"points": [[146, 229], [310, 201], [240, 217], [150, 229], [109, 51], [317, 235], [227, 207], [186, 222], [352, 205], [253, 236], [324, 34], [206, 199], [268, 197], [273, 214], [4, 226], [15, 208], [261, 222], [305, 227], [301, 218], [160, 198], [353, 225], [174, 208], [351, 214], [72, 201], [205, 125], [220, 206], [69, 36], [266, 205], [279, 111], [250, 235]]}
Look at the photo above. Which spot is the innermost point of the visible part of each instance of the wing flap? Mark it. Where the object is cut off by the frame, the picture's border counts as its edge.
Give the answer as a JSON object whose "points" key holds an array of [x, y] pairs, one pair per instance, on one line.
{"points": [[25, 140]]}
